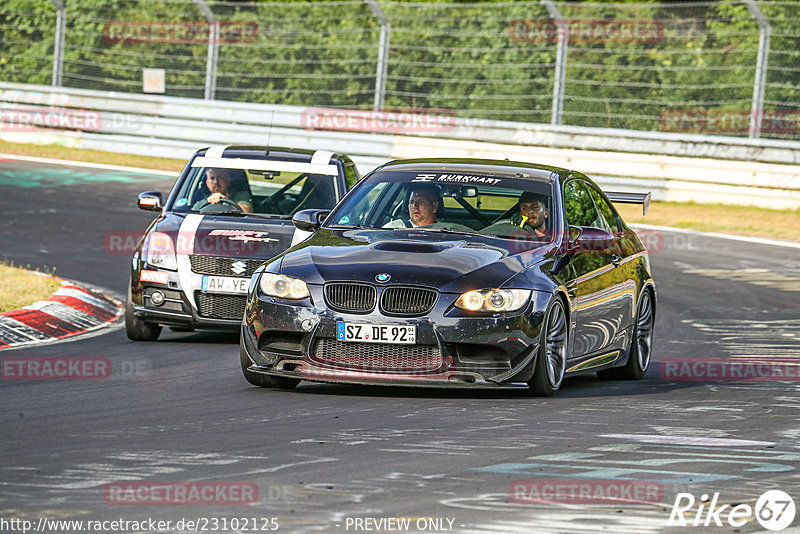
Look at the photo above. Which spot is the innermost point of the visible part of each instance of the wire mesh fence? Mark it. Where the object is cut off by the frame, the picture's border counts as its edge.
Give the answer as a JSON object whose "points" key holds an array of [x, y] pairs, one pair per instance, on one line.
{"points": [[660, 66]]}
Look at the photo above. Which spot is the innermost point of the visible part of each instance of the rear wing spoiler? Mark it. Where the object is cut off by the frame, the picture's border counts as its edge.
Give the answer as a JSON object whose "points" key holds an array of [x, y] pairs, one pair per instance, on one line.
{"points": [[632, 198]]}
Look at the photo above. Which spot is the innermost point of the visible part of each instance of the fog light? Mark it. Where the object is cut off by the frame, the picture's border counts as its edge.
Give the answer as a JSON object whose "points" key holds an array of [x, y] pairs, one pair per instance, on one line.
{"points": [[157, 298]]}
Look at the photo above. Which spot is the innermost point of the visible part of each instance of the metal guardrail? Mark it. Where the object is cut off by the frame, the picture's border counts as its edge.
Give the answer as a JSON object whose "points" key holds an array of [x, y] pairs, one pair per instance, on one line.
{"points": [[674, 166]]}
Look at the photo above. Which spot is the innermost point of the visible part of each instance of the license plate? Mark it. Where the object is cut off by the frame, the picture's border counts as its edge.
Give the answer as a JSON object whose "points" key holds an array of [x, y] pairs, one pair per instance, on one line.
{"points": [[377, 333], [225, 284]]}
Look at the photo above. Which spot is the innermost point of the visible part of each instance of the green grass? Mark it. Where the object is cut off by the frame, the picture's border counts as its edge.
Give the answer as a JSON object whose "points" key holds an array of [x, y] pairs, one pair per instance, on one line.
{"points": [[19, 287], [721, 218], [91, 156]]}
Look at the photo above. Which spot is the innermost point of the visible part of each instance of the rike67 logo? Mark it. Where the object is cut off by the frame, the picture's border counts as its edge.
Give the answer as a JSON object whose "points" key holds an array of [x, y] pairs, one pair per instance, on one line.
{"points": [[774, 510]]}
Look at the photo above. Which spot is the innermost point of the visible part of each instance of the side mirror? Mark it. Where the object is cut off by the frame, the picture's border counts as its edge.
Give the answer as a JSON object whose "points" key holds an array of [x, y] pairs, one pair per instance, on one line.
{"points": [[150, 201], [590, 239], [309, 220]]}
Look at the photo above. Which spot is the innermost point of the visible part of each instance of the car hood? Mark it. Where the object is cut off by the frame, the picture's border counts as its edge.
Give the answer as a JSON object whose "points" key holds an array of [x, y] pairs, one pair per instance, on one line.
{"points": [[448, 262], [217, 235]]}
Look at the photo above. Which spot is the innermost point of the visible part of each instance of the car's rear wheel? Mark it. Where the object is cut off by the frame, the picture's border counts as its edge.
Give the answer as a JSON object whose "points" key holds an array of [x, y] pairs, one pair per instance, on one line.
{"points": [[135, 328], [262, 380], [641, 344], [551, 361]]}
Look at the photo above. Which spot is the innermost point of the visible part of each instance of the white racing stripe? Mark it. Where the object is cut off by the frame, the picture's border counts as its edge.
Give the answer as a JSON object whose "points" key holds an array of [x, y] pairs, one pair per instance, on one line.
{"points": [[216, 151], [321, 157], [299, 236], [184, 248], [265, 165]]}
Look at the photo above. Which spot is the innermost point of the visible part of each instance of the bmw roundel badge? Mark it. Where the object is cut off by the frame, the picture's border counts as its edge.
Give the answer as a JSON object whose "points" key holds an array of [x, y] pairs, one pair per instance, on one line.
{"points": [[383, 277]]}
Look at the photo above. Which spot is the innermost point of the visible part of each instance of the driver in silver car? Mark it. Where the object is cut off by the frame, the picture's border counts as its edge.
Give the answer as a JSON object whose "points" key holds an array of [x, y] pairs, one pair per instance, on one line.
{"points": [[218, 182]]}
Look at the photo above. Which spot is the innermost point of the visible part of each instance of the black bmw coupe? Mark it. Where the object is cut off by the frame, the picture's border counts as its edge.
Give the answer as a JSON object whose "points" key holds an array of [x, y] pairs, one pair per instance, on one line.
{"points": [[456, 273]]}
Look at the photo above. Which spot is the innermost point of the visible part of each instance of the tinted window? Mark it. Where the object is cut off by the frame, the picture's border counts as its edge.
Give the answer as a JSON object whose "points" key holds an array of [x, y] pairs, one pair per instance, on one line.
{"points": [[578, 206], [350, 176], [267, 192], [605, 209], [449, 201]]}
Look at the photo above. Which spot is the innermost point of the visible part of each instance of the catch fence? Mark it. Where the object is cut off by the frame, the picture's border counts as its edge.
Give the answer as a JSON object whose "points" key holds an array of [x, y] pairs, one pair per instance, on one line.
{"points": [[717, 68]]}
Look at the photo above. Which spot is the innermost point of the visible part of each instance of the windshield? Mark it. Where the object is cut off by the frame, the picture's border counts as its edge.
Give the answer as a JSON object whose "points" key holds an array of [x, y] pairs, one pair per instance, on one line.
{"points": [[277, 193], [450, 202]]}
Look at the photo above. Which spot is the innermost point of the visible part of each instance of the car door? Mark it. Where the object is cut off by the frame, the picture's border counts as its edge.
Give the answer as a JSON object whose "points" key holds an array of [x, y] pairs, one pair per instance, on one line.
{"points": [[596, 285], [624, 276]]}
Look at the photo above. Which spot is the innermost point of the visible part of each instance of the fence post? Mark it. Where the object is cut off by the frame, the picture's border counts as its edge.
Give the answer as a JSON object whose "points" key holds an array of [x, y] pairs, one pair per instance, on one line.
{"points": [[383, 53], [58, 45], [561, 61], [757, 109], [213, 50]]}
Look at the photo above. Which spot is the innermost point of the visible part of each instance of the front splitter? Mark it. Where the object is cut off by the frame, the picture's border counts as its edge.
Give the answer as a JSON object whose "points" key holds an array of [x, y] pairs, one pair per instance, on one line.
{"points": [[303, 370]]}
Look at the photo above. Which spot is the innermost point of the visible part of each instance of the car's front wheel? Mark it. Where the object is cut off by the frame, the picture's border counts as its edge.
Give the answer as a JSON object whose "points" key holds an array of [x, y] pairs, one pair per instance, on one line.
{"points": [[135, 328], [262, 380], [551, 361]]}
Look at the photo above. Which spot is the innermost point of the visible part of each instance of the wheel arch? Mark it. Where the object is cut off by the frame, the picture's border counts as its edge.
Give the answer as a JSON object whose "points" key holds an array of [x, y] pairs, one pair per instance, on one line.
{"points": [[650, 287]]}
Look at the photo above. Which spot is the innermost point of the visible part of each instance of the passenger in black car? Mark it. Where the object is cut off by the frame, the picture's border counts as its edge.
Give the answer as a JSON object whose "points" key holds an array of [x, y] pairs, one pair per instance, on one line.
{"points": [[423, 205]]}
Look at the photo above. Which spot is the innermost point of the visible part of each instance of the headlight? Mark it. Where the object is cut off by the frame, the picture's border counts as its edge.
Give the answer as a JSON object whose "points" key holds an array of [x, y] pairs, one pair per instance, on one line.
{"points": [[285, 287], [159, 251], [493, 300]]}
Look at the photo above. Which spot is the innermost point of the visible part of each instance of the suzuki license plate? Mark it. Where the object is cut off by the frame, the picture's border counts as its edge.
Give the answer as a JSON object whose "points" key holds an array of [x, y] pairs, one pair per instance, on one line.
{"points": [[225, 284]]}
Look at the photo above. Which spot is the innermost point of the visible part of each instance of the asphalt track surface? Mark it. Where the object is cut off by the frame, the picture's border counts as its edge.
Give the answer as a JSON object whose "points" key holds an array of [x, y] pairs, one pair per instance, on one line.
{"points": [[322, 456]]}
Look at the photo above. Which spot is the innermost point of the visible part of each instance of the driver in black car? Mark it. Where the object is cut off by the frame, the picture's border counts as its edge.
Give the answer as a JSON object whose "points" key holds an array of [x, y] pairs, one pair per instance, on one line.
{"points": [[532, 215], [218, 182]]}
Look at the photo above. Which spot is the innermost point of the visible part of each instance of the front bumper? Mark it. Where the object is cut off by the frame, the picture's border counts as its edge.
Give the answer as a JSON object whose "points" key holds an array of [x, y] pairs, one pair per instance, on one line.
{"points": [[216, 311], [298, 340]]}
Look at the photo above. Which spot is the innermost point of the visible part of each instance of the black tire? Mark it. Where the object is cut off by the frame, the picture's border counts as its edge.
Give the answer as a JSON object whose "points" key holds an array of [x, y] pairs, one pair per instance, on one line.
{"points": [[262, 380], [641, 344], [136, 329], [551, 361]]}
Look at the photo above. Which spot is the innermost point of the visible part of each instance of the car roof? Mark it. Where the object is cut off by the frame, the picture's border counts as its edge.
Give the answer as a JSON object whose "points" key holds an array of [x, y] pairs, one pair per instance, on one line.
{"points": [[263, 152], [486, 167]]}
